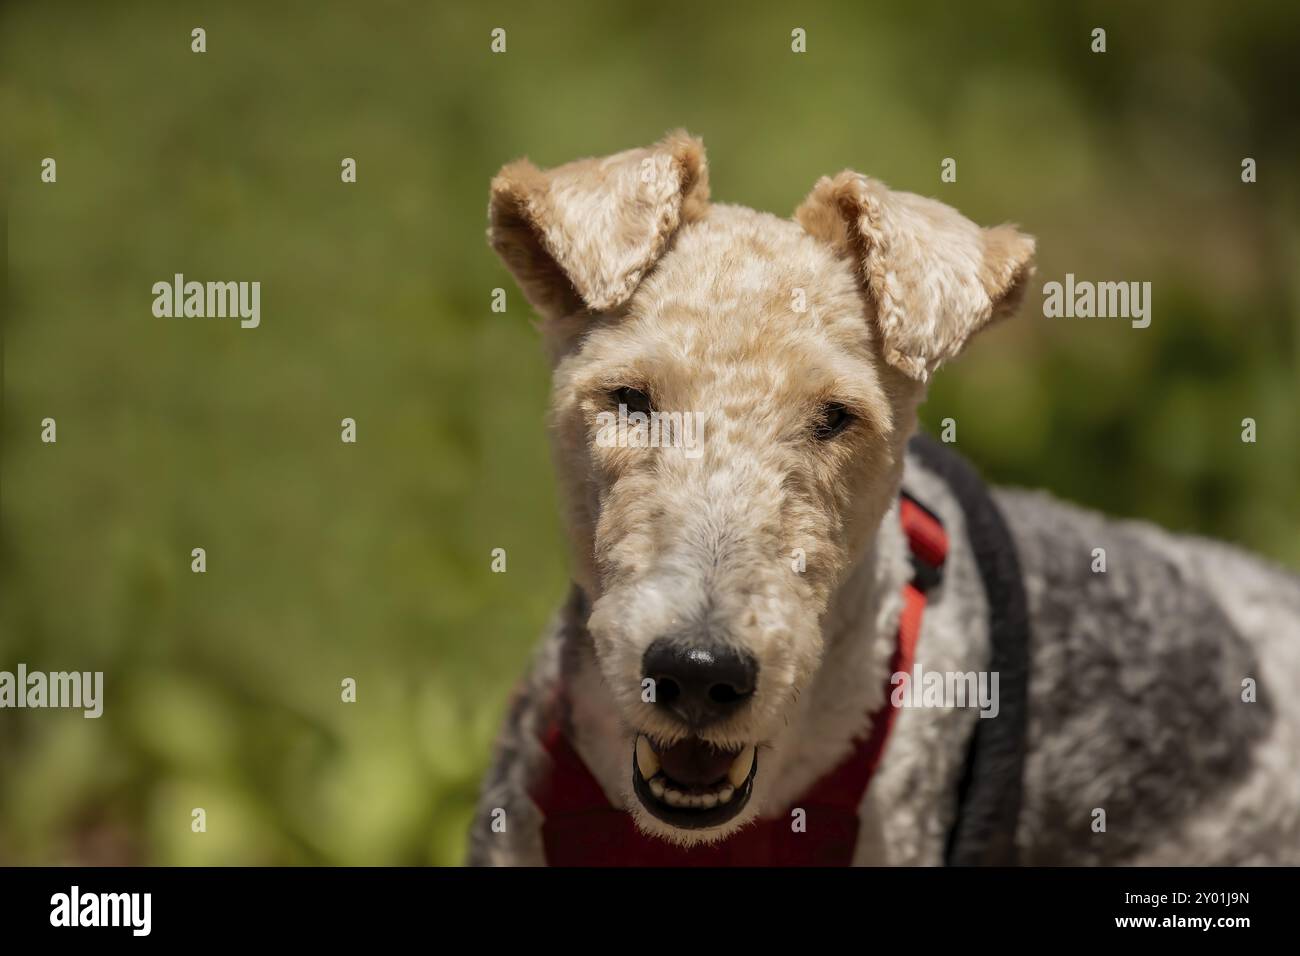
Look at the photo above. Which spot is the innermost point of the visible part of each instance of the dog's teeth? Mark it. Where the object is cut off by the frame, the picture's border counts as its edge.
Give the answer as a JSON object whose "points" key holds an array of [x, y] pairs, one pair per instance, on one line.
{"points": [[740, 767], [647, 762], [646, 758]]}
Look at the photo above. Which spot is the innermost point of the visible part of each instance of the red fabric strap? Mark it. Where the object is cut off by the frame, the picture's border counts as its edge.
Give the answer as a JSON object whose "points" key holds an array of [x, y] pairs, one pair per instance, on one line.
{"points": [[581, 828]]}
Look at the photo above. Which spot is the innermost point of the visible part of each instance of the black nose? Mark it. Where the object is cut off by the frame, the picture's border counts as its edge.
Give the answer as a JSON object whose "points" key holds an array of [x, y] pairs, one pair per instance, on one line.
{"points": [[700, 683]]}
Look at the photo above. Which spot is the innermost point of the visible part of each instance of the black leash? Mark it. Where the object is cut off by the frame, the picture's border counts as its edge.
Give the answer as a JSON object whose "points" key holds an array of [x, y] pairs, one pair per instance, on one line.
{"points": [[989, 794]]}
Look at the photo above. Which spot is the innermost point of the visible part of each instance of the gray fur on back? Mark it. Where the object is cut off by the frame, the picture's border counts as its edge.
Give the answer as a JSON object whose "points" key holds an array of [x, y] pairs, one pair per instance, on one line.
{"points": [[1136, 691]]}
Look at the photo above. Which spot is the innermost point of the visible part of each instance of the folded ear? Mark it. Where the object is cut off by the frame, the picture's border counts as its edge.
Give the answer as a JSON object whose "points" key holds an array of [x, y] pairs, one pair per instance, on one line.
{"points": [[933, 276], [584, 234]]}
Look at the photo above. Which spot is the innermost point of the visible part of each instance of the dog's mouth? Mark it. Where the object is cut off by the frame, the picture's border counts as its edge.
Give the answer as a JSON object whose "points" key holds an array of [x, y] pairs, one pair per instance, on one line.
{"points": [[691, 784]]}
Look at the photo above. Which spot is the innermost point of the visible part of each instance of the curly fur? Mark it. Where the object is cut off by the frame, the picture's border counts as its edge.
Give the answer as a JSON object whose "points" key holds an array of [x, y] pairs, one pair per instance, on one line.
{"points": [[643, 283]]}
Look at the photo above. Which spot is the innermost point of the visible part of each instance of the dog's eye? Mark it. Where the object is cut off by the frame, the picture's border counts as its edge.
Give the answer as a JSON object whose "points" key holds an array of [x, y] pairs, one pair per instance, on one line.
{"points": [[832, 419], [635, 399]]}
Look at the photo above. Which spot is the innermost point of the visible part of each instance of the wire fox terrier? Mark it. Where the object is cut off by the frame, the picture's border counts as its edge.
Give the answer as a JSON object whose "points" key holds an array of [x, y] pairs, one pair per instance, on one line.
{"points": [[769, 567]]}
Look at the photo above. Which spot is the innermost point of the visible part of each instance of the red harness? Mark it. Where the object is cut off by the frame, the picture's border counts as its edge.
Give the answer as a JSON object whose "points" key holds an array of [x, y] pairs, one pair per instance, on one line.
{"points": [[581, 828]]}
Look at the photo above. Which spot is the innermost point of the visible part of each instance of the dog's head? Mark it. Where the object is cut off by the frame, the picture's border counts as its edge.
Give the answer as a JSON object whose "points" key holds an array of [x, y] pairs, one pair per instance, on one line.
{"points": [[732, 397]]}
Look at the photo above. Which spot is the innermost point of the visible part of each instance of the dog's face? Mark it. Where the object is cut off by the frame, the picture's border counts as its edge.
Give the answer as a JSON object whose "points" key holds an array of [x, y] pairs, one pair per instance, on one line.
{"points": [[732, 396]]}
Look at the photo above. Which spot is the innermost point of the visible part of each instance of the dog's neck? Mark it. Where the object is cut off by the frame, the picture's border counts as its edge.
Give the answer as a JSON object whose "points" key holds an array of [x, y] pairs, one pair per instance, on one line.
{"points": [[858, 628]]}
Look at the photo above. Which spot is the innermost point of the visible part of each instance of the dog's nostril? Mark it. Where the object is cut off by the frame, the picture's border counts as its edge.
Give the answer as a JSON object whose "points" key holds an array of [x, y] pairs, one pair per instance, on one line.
{"points": [[726, 694], [666, 690]]}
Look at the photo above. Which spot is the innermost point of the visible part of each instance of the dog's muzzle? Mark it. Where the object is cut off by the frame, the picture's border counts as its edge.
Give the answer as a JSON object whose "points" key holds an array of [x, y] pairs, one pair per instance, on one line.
{"points": [[691, 784]]}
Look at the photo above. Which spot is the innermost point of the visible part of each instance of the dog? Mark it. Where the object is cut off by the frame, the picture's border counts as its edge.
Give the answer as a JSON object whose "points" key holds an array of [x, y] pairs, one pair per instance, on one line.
{"points": [[742, 671]]}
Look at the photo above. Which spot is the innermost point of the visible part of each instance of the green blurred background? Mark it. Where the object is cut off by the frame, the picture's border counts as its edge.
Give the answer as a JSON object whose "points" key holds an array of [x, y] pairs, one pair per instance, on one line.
{"points": [[371, 561]]}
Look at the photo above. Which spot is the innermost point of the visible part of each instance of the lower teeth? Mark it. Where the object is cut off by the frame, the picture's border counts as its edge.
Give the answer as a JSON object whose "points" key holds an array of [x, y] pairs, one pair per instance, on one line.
{"points": [[678, 798]]}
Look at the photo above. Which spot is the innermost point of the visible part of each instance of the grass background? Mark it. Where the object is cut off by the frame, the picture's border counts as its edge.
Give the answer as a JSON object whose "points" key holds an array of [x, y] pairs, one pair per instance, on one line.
{"points": [[371, 561]]}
